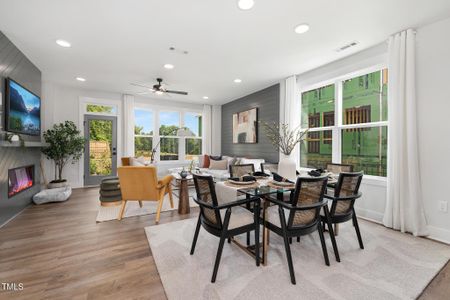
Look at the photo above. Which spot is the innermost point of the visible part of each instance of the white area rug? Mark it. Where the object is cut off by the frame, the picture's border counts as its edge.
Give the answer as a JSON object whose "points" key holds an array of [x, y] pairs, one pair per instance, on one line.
{"points": [[132, 209], [392, 265]]}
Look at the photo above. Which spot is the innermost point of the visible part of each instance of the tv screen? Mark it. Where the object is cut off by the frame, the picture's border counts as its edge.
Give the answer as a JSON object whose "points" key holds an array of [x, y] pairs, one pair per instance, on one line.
{"points": [[23, 110]]}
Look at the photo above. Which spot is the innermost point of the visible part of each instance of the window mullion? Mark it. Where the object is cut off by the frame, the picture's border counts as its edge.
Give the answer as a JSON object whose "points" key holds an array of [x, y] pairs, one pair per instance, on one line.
{"points": [[337, 141]]}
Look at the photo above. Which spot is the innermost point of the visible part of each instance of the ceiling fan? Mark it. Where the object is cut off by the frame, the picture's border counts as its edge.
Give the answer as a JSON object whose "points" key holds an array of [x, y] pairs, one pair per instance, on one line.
{"points": [[159, 89]]}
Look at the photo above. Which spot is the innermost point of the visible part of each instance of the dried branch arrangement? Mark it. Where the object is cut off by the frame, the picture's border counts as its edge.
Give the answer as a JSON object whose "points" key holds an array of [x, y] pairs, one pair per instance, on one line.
{"points": [[283, 138]]}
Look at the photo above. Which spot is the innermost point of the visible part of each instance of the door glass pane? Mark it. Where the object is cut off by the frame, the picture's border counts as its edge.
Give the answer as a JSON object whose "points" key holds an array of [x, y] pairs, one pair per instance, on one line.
{"points": [[101, 108], [170, 123], [143, 122], [316, 150], [318, 107], [193, 122], [169, 148], [143, 146], [100, 141], [193, 148], [365, 98], [365, 149]]}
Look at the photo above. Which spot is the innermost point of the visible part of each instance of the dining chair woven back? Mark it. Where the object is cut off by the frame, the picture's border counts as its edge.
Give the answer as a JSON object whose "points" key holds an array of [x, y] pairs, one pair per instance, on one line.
{"points": [[268, 168], [308, 191], [339, 168], [241, 170], [204, 186], [347, 186]]}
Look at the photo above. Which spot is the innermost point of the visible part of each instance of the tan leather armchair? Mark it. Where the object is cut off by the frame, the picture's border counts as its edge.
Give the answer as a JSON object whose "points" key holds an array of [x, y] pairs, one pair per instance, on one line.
{"points": [[142, 184]]}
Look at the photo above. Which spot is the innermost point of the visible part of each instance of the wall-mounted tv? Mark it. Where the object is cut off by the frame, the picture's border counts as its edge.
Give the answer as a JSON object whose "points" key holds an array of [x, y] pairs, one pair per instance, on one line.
{"points": [[22, 110]]}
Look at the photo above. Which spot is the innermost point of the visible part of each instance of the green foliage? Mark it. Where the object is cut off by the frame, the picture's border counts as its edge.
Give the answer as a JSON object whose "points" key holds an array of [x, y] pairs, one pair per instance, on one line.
{"points": [[100, 130], [15, 123], [99, 108], [65, 144], [171, 130]]}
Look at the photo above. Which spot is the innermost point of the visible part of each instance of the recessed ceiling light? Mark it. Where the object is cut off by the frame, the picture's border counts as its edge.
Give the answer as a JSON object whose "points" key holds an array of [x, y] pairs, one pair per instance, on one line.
{"points": [[81, 79], [237, 80], [246, 4], [169, 66], [63, 43], [205, 97], [301, 28]]}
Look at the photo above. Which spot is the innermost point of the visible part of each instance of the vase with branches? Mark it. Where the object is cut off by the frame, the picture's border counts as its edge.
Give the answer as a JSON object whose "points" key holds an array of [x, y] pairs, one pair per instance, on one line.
{"points": [[284, 139], [65, 145]]}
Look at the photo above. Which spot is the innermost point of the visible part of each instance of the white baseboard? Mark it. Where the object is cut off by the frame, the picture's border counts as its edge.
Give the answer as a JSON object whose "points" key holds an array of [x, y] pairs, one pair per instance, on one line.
{"points": [[369, 215], [439, 234]]}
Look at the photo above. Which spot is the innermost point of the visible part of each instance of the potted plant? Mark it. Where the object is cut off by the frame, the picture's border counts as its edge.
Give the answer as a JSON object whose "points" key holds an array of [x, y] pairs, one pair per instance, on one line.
{"points": [[284, 140], [65, 145]]}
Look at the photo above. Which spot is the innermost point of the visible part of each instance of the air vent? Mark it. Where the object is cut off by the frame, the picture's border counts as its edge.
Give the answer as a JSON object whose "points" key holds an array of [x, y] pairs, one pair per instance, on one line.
{"points": [[346, 47]]}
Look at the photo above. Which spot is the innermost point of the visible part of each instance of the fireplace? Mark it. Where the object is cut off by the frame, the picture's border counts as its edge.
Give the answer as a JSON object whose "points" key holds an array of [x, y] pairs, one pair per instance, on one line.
{"points": [[20, 179]]}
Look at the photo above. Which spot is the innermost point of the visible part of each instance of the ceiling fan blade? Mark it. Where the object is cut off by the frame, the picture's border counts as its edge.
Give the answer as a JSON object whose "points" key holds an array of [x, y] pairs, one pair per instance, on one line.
{"points": [[142, 85], [176, 92]]}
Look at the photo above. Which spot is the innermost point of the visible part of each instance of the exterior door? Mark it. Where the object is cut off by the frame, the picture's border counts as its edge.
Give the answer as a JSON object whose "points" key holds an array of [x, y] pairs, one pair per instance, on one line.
{"points": [[100, 156]]}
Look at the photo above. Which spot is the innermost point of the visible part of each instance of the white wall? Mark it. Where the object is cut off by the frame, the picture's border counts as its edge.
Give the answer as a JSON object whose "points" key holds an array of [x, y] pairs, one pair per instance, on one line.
{"points": [[433, 106]]}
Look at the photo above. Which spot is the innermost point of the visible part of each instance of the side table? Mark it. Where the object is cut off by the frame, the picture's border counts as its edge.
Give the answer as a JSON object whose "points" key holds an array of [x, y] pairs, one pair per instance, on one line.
{"points": [[183, 203]]}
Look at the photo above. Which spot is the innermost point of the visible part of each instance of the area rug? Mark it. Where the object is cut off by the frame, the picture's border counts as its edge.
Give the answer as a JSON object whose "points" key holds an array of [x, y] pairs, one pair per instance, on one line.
{"points": [[392, 265], [132, 209]]}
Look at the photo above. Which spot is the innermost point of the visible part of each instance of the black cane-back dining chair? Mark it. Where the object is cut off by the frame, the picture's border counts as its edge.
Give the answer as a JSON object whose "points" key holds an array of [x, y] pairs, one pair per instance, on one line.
{"points": [[343, 200], [339, 168], [224, 220], [241, 170], [268, 168], [301, 216]]}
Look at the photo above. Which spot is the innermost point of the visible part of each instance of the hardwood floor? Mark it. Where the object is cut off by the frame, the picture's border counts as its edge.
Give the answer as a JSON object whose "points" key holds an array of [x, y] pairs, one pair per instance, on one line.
{"points": [[58, 251]]}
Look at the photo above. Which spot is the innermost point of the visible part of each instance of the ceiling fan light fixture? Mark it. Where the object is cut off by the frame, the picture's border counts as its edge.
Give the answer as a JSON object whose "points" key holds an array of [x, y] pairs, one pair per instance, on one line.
{"points": [[237, 80], [169, 66], [159, 93], [63, 43], [246, 4], [80, 79], [205, 97]]}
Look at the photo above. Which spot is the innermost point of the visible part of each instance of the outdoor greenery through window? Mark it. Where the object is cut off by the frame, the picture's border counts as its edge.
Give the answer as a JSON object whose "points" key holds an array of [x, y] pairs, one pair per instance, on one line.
{"points": [[361, 129], [179, 134], [95, 108]]}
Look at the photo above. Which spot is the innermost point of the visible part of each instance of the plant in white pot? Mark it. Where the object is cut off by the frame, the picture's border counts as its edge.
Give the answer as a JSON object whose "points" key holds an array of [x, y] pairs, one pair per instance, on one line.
{"points": [[284, 140], [65, 145]]}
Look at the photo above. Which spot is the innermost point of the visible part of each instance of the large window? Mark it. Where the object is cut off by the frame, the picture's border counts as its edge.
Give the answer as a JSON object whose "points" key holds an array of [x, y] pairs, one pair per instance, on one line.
{"points": [[179, 134], [143, 133], [348, 124]]}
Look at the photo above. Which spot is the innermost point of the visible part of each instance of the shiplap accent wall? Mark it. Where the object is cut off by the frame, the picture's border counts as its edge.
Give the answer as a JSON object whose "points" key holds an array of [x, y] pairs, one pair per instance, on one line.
{"points": [[14, 64], [268, 103]]}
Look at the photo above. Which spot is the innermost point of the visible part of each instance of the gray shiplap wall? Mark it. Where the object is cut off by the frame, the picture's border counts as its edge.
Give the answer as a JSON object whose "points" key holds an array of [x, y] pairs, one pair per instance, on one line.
{"points": [[14, 64], [268, 103]]}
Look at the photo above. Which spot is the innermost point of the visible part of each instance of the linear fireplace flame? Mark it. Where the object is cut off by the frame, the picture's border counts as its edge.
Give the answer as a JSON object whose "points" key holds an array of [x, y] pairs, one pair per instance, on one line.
{"points": [[20, 179]]}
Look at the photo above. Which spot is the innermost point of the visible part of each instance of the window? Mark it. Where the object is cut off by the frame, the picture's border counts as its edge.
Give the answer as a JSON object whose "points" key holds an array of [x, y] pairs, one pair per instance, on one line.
{"points": [[168, 131], [104, 109], [143, 133], [360, 126], [193, 130]]}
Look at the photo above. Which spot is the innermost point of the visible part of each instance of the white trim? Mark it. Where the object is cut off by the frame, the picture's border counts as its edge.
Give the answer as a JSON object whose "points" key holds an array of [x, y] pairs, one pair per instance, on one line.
{"points": [[83, 101], [439, 234]]}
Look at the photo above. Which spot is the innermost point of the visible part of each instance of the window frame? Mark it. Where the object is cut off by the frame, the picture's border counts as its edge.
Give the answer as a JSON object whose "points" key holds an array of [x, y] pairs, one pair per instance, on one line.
{"points": [[339, 126], [157, 110], [152, 136]]}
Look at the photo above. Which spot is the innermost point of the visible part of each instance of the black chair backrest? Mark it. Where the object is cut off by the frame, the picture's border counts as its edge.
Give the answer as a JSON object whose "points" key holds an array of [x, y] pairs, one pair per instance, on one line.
{"points": [[206, 192], [308, 191], [348, 185], [268, 168], [241, 170], [339, 168]]}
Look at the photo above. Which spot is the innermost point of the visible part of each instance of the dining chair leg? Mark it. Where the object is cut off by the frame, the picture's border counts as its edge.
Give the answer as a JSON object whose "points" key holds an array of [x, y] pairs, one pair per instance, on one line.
{"points": [[122, 210], [324, 246], [290, 240], [336, 229], [140, 204], [332, 237], [229, 240], [221, 242], [298, 239], [358, 233], [197, 230], [256, 220], [286, 245]]}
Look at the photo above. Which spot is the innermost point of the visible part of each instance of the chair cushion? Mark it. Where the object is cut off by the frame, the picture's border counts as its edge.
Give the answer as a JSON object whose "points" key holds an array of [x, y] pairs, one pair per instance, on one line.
{"points": [[274, 217], [239, 217]]}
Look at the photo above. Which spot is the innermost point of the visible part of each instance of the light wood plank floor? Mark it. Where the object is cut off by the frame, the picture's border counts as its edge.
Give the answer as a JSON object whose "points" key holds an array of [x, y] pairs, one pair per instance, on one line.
{"points": [[58, 251]]}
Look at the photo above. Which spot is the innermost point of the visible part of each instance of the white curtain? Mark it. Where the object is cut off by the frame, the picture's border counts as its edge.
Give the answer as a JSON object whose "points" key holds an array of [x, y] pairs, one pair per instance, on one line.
{"points": [[128, 120], [404, 207], [290, 111], [206, 117]]}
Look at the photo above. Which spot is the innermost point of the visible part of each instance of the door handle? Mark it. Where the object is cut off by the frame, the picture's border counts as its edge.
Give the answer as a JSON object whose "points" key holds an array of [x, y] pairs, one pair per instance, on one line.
{"points": [[114, 153]]}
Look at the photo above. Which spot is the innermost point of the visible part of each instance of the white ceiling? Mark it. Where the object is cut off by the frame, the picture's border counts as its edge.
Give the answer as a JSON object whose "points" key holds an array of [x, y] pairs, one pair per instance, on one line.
{"points": [[115, 42]]}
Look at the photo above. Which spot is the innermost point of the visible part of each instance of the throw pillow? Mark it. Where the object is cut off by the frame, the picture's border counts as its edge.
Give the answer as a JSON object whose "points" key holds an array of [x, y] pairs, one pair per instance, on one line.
{"points": [[218, 164], [206, 161], [218, 157]]}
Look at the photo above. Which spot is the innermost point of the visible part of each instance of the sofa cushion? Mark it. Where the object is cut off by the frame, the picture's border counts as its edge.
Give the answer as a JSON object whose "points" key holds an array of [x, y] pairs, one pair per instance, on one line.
{"points": [[218, 164]]}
